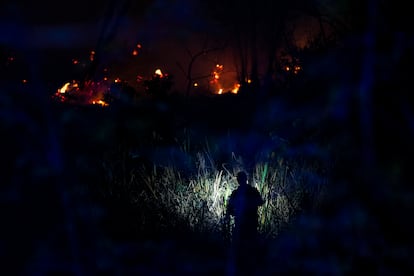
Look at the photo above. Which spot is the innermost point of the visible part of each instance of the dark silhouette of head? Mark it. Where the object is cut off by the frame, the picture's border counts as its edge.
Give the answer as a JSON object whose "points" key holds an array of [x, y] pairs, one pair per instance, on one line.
{"points": [[242, 178]]}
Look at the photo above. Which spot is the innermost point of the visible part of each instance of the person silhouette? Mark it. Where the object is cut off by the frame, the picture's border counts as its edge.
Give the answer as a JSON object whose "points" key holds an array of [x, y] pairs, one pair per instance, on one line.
{"points": [[243, 205]]}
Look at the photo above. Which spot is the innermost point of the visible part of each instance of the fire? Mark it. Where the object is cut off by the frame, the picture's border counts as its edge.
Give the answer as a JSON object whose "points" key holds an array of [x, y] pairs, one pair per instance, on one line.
{"points": [[91, 93], [159, 73], [291, 65], [94, 92], [100, 102], [235, 88], [219, 85], [64, 88], [218, 71]]}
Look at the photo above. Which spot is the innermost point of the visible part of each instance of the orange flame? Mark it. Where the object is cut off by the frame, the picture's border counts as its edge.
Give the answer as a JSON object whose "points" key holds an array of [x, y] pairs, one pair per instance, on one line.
{"points": [[64, 88], [236, 88], [159, 73], [218, 83], [100, 102]]}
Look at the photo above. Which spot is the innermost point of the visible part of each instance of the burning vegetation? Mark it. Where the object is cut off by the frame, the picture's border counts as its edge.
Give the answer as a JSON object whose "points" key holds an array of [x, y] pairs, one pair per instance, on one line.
{"points": [[90, 93], [218, 85], [106, 87]]}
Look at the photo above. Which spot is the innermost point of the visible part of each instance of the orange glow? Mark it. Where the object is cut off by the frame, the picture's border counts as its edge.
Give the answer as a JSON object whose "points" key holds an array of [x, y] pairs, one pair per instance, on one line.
{"points": [[117, 80], [64, 88], [297, 68], [91, 93], [158, 72], [92, 56], [135, 52], [221, 84], [219, 70], [195, 84], [100, 102], [236, 88]]}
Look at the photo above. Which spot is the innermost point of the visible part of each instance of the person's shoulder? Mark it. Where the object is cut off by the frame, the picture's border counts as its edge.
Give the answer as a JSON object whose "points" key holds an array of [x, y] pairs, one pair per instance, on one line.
{"points": [[253, 189]]}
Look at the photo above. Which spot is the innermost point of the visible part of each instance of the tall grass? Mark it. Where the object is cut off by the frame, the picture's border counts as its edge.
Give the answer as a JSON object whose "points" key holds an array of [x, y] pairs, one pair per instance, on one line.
{"points": [[195, 199]]}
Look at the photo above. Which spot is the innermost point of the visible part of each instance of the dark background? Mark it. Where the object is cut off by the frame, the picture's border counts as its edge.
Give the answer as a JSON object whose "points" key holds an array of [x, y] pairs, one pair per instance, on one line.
{"points": [[362, 106]]}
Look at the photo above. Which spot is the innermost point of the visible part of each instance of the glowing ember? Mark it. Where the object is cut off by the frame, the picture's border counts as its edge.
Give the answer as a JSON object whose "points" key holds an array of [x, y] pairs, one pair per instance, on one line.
{"points": [[218, 71], [236, 88], [92, 55], [100, 102], [158, 72], [90, 93], [64, 88], [219, 84], [135, 51], [293, 67]]}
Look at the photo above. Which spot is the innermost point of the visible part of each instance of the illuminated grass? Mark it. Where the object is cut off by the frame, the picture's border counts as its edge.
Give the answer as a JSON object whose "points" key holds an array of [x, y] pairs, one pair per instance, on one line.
{"points": [[196, 199]]}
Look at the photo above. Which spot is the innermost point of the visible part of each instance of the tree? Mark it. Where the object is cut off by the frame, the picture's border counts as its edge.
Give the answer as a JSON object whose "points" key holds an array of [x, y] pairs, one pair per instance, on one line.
{"points": [[259, 29], [206, 49]]}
